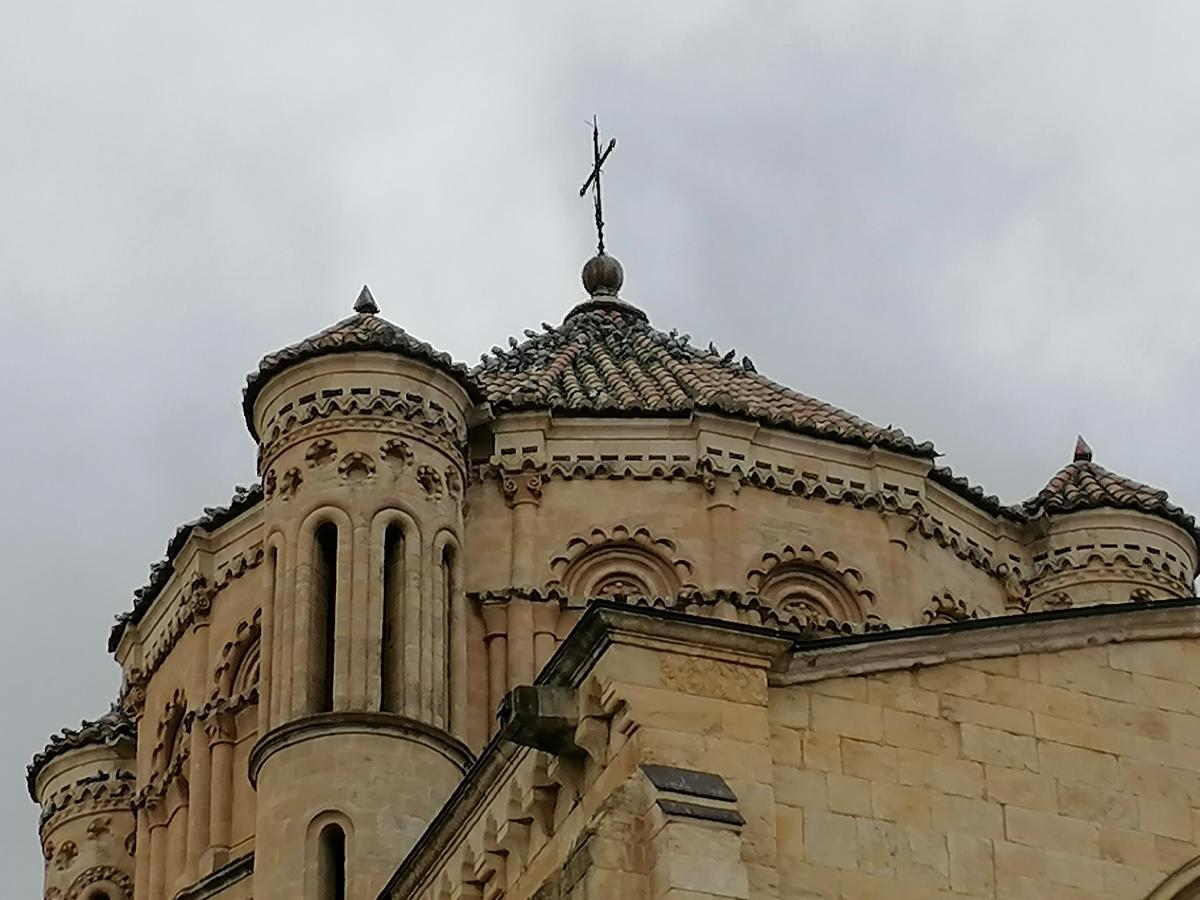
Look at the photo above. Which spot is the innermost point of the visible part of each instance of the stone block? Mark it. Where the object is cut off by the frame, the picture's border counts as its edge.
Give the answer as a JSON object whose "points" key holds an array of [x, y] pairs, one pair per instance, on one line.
{"points": [[844, 688], [972, 864], [1051, 832], [1073, 671], [1021, 788], [1065, 761], [901, 804], [1093, 803], [870, 761], [848, 718], [1168, 818], [822, 752], [933, 735], [849, 795], [967, 816], [940, 773], [992, 715], [801, 788], [899, 691], [954, 680], [831, 839], [999, 748], [1146, 779]]}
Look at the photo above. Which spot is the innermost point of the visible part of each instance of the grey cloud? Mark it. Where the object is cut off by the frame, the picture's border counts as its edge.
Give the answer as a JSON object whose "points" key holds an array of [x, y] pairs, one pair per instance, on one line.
{"points": [[975, 222]]}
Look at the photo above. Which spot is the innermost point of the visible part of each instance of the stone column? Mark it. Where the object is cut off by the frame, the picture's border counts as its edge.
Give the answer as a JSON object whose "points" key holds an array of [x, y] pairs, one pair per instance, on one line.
{"points": [[545, 628], [722, 510], [177, 841], [523, 491], [495, 635], [141, 870], [158, 851], [200, 800], [458, 652], [221, 738], [198, 768]]}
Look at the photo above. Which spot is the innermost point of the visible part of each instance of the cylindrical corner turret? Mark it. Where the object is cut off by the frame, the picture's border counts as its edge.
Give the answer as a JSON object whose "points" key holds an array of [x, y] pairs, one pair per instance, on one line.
{"points": [[362, 434], [1104, 538], [84, 782], [1110, 556]]}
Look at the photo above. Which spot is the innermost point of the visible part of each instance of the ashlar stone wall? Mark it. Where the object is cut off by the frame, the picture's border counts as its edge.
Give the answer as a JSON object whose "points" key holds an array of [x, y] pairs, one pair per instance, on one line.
{"points": [[1069, 774]]}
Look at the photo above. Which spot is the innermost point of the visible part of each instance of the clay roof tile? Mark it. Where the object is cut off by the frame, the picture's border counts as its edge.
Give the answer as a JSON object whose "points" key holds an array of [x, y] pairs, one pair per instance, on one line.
{"points": [[607, 359]]}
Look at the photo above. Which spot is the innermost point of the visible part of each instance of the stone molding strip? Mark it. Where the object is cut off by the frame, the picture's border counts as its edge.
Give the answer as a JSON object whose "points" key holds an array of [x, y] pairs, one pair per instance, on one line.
{"points": [[1032, 632], [322, 724], [214, 884]]}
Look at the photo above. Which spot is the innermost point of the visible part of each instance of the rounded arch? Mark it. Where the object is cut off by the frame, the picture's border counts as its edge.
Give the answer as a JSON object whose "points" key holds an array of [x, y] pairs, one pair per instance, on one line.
{"points": [[621, 561], [238, 670], [1182, 884], [325, 514], [170, 731], [804, 582], [397, 567], [323, 856], [100, 881], [325, 549]]}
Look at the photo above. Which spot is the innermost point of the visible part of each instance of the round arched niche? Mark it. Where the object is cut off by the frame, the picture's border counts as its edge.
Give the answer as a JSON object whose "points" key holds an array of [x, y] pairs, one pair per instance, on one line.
{"points": [[621, 562], [805, 583], [807, 590], [621, 570]]}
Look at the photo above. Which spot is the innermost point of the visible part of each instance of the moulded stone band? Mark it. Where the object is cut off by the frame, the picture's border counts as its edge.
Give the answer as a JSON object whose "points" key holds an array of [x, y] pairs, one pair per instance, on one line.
{"points": [[323, 724]]}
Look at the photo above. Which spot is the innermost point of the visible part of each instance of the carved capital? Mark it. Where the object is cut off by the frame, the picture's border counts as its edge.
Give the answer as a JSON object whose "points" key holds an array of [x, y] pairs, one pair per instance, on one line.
{"points": [[221, 728], [523, 487]]}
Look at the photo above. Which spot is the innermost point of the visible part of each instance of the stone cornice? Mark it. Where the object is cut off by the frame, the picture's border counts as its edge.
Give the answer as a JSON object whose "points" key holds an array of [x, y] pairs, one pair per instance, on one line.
{"points": [[323, 724], [244, 499], [1044, 631], [102, 792], [214, 884], [196, 605], [380, 410]]}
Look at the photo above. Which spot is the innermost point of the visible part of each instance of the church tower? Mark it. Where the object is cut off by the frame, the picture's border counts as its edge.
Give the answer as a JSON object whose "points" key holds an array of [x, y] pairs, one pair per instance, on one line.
{"points": [[362, 449]]}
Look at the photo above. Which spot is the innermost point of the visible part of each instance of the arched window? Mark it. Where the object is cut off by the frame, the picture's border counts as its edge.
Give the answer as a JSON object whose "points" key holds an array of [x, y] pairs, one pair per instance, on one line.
{"points": [[98, 895], [394, 577], [447, 576], [331, 863], [324, 590]]}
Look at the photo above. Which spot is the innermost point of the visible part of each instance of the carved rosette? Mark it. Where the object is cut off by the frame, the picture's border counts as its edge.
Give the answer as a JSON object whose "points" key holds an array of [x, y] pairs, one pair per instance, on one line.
{"points": [[363, 409]]}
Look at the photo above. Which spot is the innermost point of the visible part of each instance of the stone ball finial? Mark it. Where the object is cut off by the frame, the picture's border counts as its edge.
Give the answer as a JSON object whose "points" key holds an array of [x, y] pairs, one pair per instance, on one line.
{"points": [[603, 276], [366, 303]]}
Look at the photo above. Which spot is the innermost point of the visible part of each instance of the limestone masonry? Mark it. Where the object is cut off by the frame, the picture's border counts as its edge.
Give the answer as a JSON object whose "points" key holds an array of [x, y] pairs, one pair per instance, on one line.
{"points": [[612, 616]]}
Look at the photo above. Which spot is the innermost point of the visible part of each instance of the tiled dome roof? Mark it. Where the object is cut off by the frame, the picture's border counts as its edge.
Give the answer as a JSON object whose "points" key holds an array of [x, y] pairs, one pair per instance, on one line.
{"points": [[1084, 484], [362, 331], [110, 729], [606, 359]]}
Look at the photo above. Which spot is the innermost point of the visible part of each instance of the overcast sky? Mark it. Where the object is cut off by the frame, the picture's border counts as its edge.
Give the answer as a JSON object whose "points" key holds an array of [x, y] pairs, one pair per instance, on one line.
{"points": [[978, 222]]}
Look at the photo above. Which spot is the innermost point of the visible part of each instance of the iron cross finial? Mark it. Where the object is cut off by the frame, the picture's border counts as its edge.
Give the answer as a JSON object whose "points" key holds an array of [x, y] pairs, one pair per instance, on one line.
{"points": [[593, 180]]}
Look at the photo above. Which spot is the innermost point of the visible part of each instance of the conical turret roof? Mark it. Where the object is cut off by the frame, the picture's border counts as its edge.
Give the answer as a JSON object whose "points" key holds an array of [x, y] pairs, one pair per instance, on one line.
{"points": [[1084, 484], [365, 330], [110, 729]]}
